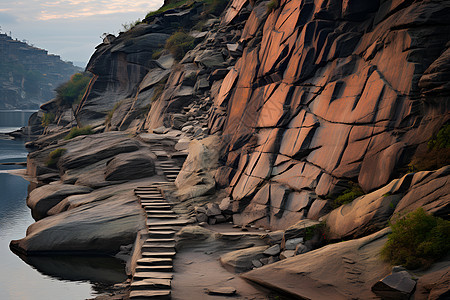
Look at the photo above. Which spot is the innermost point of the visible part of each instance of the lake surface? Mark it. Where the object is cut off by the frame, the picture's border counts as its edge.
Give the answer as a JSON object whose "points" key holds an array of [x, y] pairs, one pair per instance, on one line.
{"points": [[36, 278]]}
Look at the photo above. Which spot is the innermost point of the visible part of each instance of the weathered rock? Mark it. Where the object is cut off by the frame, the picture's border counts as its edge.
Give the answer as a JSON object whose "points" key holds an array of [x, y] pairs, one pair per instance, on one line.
{"points": [[291, 244], [256, 263], [435, 284], [226, 206], [210, 59], [241, 260], [221, 291], [196, 178], [300, 249], [286, 254], [336, 271], [128, 166], [86, 150], [42, 199], [273, 250], [372, 212], [299, 229], [96, 227], [201, 217], [274, 237], [213, 210], [398, 285]]}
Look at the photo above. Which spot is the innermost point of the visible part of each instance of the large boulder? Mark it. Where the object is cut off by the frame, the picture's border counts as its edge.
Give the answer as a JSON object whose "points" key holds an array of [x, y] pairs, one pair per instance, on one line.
{"points": [[96, 227], [344, 270], [128, 166], [398, 285], [42, 199], [196, 177], [371, 212], [241, 260], [86, 150]]}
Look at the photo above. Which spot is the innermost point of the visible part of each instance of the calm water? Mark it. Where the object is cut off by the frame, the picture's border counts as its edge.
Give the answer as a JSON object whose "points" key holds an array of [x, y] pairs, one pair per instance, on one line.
{"points": [[36, 278]]}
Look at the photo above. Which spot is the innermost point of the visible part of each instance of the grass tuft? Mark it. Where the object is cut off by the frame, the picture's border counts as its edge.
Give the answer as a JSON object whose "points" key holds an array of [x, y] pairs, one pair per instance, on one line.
{"points": [[54, 156], [75, 131]]}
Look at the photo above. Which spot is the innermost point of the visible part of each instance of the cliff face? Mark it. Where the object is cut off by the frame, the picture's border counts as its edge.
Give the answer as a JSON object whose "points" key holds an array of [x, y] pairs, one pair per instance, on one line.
{"points": [[326, 92], [305, 95], [28, 75]]}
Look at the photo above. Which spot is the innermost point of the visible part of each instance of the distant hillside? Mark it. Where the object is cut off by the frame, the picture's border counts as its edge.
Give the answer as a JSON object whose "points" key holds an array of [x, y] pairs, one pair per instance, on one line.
{"points": [[29, 75]]}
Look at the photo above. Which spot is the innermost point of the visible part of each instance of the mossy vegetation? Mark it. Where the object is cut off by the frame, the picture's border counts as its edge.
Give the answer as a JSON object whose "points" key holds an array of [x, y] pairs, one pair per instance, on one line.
{"points": [[75, 131], [437, 154], [351, 193], [272, 5], [417, 240], [54, 156], [172, 5], [111, 113], [72, 91], [179, 44], [157, 54], [215, 7], [47, 118]]}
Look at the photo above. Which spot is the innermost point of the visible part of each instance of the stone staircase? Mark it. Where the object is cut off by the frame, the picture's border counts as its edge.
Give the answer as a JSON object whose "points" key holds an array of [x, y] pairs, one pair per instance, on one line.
{"points": [[170, 169], [154, 271]]}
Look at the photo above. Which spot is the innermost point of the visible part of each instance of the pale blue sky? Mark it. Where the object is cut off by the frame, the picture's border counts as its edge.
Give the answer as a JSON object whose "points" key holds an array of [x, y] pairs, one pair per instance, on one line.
{"points": [[70, 28]]}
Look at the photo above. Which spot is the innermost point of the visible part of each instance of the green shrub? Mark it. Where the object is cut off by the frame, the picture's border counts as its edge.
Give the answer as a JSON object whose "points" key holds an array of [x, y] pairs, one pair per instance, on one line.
{"points": [[75, 131], [350, 194], [417, 240], [179, 44], [47, 119], [164, 8], [441, 140], [436, 156], [157, 54], [54, 156], [72, 91], [272, 5]]}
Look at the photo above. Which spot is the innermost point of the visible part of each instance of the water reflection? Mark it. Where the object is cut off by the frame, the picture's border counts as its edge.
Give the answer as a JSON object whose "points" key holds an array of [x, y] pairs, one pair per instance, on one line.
{"points": [[48, 277], [100, 270]]}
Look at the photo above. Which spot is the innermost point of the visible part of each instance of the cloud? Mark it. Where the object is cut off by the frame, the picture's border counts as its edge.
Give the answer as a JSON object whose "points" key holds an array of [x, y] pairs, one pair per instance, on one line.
{"points": [[68, 9]]}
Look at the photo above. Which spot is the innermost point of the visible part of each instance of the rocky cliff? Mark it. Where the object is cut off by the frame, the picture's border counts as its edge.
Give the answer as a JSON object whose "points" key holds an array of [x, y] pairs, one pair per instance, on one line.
{"points": [[308, 97], [278, 110], [29, 75]]}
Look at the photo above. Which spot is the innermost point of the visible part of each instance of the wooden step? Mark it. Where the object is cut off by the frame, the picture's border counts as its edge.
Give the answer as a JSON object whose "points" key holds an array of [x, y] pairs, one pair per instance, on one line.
{"points": [[144, 202], [150, 294], [161, 234], [168, 254], [163, 228], [169, 240], [154, 268], [148, 261], [148, 207], [158, 249], [178, 222], [161, 216], [160, 211], [151, 284], [148, 198], [152, 275]]}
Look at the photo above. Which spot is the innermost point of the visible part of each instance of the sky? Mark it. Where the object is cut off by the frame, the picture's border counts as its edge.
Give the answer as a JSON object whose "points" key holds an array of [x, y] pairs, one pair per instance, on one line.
{"points": [[70, 28]]}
